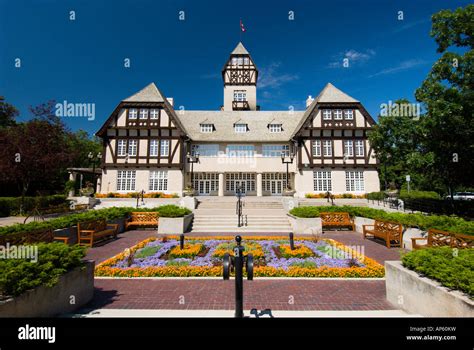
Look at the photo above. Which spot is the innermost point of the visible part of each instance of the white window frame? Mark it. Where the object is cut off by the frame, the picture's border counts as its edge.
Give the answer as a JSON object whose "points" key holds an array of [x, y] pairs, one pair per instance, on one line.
{"points": [[275, 128], [240, 128], [164, 148], [327, 148], [360, 148], [316, 148], [154, 147], [240, 151], [327, 115], [132, 113], [275, 151], [348, 148], [338, 114], [158, 180], [240, 95], [143, 113], [126, 180], [121, 148], [354, 181], [154, 113], [322, 181], [349, 114], [207, 128], [132, 148]]}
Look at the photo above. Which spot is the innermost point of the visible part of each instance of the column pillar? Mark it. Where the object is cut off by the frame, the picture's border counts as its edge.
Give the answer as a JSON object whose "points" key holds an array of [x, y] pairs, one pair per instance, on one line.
{"points": [[259, 185], [221, 184], [72, 177]]}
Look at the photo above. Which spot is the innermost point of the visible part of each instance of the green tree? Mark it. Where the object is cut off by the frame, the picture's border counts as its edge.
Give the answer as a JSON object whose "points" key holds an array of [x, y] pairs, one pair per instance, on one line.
{"points": [[8, 113], [448, 97], [397, 141]]}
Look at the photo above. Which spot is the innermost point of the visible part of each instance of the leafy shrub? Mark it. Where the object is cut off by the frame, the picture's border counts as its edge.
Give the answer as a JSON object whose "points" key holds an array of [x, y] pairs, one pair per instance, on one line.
{"points": [[147, 251], [54, 260], [17, 204], [172, 211], [424, 222], [404, 194], [441, 264], [377, 196]]}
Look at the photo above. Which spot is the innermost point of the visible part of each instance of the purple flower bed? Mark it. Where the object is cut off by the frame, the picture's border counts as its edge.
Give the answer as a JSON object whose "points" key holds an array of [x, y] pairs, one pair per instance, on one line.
{"points": [[325, 254]]}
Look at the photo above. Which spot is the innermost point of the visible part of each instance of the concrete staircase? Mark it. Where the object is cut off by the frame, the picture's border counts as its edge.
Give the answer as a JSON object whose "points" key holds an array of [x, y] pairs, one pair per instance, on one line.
{"points": [[261, 215]]}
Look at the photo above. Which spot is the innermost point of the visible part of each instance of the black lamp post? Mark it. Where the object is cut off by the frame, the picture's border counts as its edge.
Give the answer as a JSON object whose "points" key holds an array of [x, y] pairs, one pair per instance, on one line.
{"points": [[287, 159], [191, 160], [93, 159]]}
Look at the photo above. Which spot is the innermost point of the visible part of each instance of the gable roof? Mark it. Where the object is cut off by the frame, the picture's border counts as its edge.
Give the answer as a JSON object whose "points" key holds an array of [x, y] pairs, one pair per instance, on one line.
{"points": [[240, 50], [149, 93], [223, 121], [329, 94]]}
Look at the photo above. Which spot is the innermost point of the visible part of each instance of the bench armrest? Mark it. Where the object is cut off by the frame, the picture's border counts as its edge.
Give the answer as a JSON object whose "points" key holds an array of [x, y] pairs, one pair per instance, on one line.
{"points": [[88, 231], [364, 226], [65, 240], [419, 238], [115, 226]]}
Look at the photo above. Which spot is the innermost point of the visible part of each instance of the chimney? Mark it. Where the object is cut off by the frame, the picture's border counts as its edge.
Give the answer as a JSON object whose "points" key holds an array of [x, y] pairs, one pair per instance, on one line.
{"points": [[171, 101], [309, 100]]}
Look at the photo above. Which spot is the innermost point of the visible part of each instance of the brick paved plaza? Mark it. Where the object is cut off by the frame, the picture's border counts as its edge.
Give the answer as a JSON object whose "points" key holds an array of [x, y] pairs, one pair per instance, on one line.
{"points": [[262, 293]]}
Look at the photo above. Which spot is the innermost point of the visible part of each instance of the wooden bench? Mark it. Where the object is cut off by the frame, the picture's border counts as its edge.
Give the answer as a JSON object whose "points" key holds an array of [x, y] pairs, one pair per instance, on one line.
{"points": [[337, 220], [438, 238], [142, 218], [388, 231], [90, 232], [45, 235]]}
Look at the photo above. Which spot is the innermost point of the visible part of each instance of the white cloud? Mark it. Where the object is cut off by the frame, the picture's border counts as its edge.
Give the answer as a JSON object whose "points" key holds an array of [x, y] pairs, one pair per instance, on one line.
{"points": [[402, 66], [354, 56], [269, 77]]}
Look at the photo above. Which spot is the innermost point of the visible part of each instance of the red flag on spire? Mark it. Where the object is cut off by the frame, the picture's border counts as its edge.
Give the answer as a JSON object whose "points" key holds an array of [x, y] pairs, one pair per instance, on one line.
{"points": [[242, 28]]}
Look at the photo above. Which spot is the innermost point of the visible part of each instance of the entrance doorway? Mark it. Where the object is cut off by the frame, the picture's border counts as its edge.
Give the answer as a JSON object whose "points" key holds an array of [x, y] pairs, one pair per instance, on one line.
{"points": [[245, 180], [274, 183], [206, 183]]}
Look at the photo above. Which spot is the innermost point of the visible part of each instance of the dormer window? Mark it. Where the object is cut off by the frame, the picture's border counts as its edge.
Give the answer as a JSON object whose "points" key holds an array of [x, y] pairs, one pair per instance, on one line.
{"points": [[132, 113], [207, 128], [337, 114], [326, 114], [275, 128], [143, 113], [240, 128]]}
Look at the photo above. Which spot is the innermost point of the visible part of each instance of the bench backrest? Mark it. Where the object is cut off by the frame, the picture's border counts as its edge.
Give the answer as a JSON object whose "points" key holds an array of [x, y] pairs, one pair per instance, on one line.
{"points": [[438, 238], [93, 225], [144, 216], [36, 236], [387, 227], [336, 218]]}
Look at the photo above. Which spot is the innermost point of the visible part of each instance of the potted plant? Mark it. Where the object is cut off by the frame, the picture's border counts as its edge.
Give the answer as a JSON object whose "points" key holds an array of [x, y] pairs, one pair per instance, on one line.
{"points": [[189, 191]]}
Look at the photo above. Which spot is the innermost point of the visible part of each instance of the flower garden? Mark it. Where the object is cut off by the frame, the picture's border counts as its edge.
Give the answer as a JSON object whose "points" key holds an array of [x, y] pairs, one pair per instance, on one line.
{"points": [[273, 257]]}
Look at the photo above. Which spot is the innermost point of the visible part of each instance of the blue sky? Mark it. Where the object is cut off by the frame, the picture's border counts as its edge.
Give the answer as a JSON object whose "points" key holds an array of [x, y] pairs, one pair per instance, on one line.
{"points": [[82, 61]]}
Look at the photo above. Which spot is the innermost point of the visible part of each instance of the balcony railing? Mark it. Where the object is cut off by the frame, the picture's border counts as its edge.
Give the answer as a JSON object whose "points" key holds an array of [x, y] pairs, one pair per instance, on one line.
{"points": [[240, 106]]}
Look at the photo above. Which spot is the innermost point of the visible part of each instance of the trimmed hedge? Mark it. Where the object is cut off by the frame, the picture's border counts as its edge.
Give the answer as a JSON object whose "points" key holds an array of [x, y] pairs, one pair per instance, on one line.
{"points": [[453, 269], [107, 214], [54, 260], [12, 205], [424, 222], [404, 194]]}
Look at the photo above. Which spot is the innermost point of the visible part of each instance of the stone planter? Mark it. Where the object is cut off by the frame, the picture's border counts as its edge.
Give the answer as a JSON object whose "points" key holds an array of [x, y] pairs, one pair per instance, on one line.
{"points": [[120, 222], [175, 225], [305, 226], [69, 232], [51, 301], [359, 221], [188, 202], [410, 292]]}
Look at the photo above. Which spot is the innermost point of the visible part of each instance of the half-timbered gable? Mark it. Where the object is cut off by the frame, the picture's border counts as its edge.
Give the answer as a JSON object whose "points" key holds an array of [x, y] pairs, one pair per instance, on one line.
{"points": [[334, 132]]}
